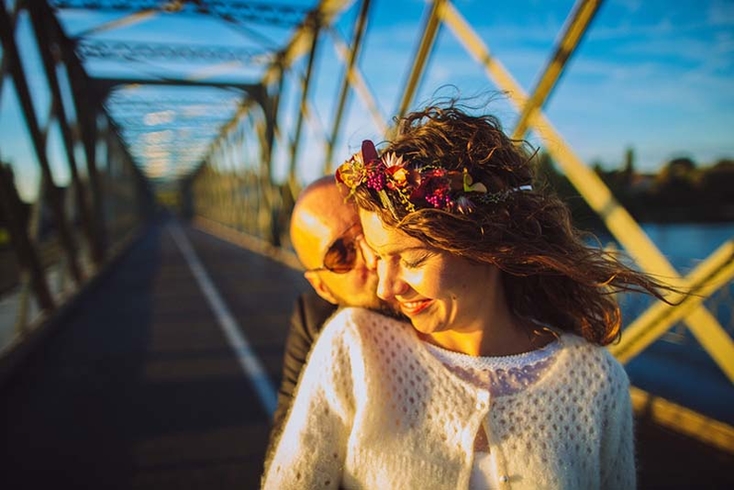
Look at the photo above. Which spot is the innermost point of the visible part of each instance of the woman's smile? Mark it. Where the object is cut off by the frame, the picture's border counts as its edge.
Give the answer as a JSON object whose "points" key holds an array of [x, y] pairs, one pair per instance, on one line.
{"points": [[413, 308]]}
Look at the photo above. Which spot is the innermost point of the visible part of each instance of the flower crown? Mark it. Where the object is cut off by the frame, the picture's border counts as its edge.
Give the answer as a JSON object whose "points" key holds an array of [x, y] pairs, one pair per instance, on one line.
{"points": [[428, 186]]}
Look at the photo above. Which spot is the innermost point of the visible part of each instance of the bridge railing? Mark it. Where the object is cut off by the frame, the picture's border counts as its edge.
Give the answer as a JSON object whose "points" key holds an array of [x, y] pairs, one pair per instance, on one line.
{"points": [[79, 196], [249, 180], [70, 195]]}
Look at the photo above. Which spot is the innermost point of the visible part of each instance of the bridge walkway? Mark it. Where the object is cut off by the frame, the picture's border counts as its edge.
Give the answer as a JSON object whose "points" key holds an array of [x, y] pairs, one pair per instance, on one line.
{"points": [[138, 386]]}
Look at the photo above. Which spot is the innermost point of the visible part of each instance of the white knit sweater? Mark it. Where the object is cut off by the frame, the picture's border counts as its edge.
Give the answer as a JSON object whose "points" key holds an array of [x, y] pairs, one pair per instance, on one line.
{"points": [[376, 410]]}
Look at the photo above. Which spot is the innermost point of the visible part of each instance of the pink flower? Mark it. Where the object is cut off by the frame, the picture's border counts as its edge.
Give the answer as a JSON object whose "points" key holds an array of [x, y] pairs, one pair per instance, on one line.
{"points": [[376, 177], [432, 187]]}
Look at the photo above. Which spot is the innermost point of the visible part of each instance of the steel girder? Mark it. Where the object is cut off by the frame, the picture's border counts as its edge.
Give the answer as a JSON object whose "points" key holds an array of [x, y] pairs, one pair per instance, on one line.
{"points": [[137, 51], [61, 234], [595, 192], [258, 12]]}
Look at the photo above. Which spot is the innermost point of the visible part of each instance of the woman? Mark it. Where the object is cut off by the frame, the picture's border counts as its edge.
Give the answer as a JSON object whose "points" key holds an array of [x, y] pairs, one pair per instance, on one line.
{"points": [[502, 380]]}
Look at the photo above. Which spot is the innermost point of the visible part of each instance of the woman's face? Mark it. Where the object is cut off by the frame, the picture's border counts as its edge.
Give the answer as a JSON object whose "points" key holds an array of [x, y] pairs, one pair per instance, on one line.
{"points": [[437, 290]]}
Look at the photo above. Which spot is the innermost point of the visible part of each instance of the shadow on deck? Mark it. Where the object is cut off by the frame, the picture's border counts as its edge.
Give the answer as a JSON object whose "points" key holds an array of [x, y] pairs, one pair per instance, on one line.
{"points": [[137, 386]]}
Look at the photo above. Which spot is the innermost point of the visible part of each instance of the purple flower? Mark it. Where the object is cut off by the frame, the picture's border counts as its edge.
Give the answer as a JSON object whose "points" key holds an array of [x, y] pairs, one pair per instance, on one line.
{"points": [[376, 178]]}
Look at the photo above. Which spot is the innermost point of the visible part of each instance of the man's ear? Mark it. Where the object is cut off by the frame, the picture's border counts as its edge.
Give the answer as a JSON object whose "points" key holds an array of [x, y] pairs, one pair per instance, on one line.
{"points": [[318, 285]]}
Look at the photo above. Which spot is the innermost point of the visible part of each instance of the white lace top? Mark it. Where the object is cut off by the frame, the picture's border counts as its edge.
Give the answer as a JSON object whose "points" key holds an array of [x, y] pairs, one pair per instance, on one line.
{"points": [[375, 408], [502, 376]]}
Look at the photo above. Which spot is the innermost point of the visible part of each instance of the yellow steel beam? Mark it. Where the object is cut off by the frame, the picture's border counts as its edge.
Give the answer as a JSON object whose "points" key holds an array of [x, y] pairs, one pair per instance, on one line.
{"points": [[588, 183], [360, 26], [683, 420], [476, 47], [710, 275], [582, 14], [127, 21], [425, 47], [302, 40], [356, 80], [313, 120], [305, 110]]}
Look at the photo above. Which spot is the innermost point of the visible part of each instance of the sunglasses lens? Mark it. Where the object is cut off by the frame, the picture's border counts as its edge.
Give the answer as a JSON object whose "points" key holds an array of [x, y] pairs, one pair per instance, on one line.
{"points": [[341, 256]]}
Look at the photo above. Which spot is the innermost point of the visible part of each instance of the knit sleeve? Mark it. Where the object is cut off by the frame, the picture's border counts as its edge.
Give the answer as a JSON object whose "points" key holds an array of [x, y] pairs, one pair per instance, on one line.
{"points": [[309, 314], [617, 452], [312, 447]]}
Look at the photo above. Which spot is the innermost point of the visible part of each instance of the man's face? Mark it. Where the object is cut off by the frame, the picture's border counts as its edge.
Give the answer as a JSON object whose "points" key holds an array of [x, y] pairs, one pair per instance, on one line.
{"points": [[358, 285], [335, 244]]}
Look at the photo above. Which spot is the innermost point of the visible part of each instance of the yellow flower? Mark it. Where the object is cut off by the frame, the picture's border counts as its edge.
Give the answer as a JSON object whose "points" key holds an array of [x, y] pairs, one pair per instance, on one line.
{"points": [[352, 172], [399, 175]]}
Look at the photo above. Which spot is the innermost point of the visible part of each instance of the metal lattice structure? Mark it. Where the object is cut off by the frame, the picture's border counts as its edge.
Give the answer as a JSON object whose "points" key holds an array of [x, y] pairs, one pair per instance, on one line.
{"points": [[106, 116], [221, 120], [219, 188]]}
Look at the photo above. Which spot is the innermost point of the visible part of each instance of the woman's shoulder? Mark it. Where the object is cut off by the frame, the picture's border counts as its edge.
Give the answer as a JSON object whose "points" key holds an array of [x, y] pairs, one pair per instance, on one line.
{"points": [[593, 361]]}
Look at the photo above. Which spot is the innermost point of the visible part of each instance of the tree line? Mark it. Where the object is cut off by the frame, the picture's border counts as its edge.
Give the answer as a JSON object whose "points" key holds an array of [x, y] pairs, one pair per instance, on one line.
{"points": [[680, 192]]}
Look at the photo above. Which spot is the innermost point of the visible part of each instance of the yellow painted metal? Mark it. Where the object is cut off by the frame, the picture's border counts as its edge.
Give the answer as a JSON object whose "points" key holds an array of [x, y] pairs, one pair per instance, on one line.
{"points": [[476, 47], [266, 129], [360, 25], [357, 82], [683, 420], [127, 21], [303, 38], [710, 275], [583, 13], [305, 110], [421, 58], [589, 184]]}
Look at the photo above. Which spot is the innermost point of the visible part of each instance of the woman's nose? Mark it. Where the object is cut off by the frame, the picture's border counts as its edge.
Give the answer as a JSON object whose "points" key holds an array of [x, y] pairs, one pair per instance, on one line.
{"points": [[388, 285]]}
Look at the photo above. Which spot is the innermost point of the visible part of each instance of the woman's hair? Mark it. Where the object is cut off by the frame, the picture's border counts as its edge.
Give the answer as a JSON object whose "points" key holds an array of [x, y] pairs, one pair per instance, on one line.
{"points": [[494, 216]]}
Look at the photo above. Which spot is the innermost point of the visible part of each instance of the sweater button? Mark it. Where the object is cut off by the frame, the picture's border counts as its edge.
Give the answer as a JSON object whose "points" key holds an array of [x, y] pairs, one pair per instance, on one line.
{"points": [[504, 479], [480, 405]]}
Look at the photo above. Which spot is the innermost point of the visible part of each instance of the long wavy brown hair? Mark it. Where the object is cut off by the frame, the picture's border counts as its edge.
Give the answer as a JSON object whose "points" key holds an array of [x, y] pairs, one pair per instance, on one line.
{"points": [[551, 274]]}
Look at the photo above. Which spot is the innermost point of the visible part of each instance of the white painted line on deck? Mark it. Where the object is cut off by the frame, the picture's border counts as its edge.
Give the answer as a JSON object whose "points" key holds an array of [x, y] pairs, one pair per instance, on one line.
{"points": [[247, 358]]}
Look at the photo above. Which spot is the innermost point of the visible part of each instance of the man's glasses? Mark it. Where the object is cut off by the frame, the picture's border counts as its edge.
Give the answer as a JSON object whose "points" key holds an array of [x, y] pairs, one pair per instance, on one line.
{"points": [[341, 256]]}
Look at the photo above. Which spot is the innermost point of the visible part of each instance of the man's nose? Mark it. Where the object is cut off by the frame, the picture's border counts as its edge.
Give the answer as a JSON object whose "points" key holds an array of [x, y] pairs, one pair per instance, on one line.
{"points": [[383, 290]]}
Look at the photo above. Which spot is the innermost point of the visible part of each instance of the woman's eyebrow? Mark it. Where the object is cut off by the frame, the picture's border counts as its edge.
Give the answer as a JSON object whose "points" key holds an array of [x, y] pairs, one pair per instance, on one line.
{"points": [[397, 250]]}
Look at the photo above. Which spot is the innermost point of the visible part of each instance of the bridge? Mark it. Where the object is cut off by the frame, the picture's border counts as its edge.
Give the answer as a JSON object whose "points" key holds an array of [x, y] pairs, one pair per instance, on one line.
{"points": [[146, 276]]}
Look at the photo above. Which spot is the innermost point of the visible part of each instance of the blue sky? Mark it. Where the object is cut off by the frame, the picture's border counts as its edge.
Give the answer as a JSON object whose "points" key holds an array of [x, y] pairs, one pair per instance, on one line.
{"points": [[654, 75], [657, 76]]}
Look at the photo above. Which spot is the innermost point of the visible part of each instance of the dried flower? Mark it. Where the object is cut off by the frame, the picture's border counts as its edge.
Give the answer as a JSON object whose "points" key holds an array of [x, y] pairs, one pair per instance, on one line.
{"points": [[414, 188]]}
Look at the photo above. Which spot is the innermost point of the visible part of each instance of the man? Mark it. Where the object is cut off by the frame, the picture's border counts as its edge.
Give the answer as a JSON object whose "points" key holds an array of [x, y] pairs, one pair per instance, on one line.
{"points": [[325, 234]]}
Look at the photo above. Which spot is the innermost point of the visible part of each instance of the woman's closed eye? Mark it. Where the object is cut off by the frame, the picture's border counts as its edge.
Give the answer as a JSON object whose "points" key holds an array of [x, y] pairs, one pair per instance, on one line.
{"points": [[414, 261]]}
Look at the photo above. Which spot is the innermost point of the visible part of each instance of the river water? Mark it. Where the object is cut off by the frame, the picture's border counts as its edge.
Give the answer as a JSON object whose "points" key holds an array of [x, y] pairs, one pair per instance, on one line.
{"points": [[677, 367]]}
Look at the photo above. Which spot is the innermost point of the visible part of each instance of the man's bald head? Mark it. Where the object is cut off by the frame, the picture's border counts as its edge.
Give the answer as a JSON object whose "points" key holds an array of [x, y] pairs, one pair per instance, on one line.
{"points": [[319, 216]]}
